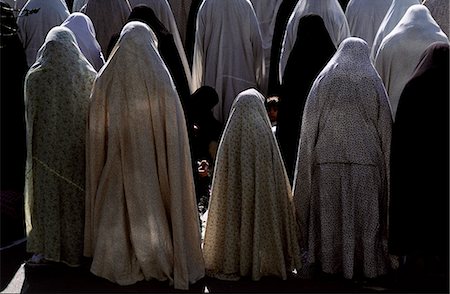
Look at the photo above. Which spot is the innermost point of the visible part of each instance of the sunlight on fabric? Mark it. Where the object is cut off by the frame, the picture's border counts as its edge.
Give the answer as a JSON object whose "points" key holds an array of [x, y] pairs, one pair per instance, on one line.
{"points": [[15, 286]]}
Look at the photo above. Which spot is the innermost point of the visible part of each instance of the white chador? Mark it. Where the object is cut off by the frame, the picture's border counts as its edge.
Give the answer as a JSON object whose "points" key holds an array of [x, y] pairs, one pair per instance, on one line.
{"points": [[266, 12], [163, 12], [251, 229], [400, 51], [141, 215], [83, 29], [391, 19], [228, 51], [365, 16], [108, 17], [332, 15], [35, 20], [341, 184]]}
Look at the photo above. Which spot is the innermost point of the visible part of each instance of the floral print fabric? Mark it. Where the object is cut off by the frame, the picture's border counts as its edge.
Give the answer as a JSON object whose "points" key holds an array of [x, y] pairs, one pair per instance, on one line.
{"points": [[341, 185], [57, 89], [251, 230]]}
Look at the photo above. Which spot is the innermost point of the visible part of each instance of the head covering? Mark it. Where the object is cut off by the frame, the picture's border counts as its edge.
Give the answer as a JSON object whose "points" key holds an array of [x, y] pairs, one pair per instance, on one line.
{"points": [[251, 229], [311, 52], [13, 70], [166, 48], [83, 29], [35, 19], [440, 11], [391, 19], [163, 12], [342, 172], [57, 89], [108, 17], [138, 157], [400, 51], [283, 14], [228, 53], [205, 98], [365, 16], [333, 16], [420, 160]]}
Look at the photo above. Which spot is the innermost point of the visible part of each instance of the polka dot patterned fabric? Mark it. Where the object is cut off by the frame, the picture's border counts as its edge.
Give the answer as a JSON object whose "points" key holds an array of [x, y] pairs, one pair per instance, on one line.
{"points": [[251, 230]]}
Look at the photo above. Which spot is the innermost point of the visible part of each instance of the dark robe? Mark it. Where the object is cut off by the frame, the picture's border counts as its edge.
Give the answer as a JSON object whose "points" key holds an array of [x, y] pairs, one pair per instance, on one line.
{"points": [[311, 52], [190, 30], [284, 12], [69, 5], [344, 4], [419, 207], [13, 147], [203, 128]]}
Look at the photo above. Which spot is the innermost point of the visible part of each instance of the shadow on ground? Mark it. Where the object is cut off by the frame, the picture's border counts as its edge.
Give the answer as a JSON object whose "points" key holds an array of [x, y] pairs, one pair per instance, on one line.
{"points": [[54, 277]]}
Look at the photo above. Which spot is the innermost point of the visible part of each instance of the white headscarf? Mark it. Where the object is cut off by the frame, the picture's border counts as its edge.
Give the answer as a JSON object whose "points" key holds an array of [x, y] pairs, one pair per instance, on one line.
{"points": [[141, 215], [342, 173], [228, 51], [391, 19], [365, 16], [440, 12], [108, 17], [81, 25], [57, 89], [162, 10], [251, 229], [400, 51], [333, 17], [35, 20]]}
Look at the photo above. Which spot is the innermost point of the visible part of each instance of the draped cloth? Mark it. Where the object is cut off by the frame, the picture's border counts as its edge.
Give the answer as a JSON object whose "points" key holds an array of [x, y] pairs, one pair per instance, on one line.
{"points": [[400, 51], [311, 52], [163, 12], [341, 184], [440, 11], [420, 160], [83, 29], [190, 30], [166, 48], [228, 51], [251, 229], [180, 9], [141, 215], [391, 19], [78, 5], [365, 16], [57, 89], [266, 12], [35, 20], [333, 16], [283, 14], [108, 17]]}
